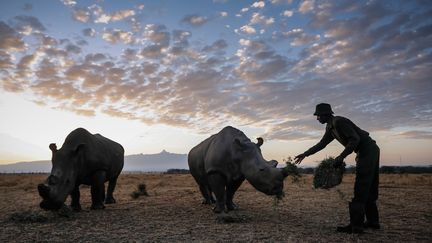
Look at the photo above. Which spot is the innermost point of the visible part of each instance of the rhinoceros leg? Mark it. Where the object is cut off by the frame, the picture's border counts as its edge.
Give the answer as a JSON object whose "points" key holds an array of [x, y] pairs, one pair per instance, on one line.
{"points": [[207, 194], [98, 190], [111, 186], [218, 183], [75, 196], [231, 189]]}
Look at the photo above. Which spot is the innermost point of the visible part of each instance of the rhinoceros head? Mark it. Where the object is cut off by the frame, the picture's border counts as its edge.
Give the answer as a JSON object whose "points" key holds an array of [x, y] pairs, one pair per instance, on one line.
{"points": [[262, 174], [61, 181]]}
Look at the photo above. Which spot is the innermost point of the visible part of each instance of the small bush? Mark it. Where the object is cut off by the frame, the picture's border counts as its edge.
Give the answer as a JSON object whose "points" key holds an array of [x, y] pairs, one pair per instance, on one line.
{"points": [[141, 191]]}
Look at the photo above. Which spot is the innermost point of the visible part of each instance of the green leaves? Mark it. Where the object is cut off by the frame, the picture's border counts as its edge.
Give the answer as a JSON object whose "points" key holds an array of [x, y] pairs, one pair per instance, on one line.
{"points": [[326, 175]]}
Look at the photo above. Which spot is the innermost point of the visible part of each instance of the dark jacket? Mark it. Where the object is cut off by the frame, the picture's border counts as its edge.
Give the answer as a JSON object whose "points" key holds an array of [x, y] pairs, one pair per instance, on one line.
{"points": [[346, 132]]}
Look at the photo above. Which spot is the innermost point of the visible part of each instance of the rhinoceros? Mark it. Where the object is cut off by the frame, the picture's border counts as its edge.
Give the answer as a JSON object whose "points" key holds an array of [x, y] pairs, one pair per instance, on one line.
{"points": [[84, 158], [221, 163]]}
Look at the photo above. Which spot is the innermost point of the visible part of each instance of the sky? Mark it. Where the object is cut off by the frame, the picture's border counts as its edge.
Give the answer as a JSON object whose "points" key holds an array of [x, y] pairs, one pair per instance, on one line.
{"points": [[167, 74]]}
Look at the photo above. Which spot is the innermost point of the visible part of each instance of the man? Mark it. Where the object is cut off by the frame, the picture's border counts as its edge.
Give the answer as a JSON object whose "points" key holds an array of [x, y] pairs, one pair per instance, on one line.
{"points": [[356, 140]]}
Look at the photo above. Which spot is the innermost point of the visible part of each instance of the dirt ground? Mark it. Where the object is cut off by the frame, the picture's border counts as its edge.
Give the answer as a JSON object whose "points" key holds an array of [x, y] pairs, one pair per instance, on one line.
{"points": [[173, 213]]}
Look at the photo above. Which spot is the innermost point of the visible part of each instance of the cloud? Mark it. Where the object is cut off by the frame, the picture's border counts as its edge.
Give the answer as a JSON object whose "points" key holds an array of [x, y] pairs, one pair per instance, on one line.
{"points": [[260, 19], [281, 1], [152, 51], [194, 20], [115, 36], [9, 38], [248, 29], [370, 63], [158, 34], [416, 135], [69, 3], [6, 60], [297, 36], [115, 16], [260, 4], [306, 6], [81, 15], [28, 24], [259, 62], [96, 14], [288, 13], [216, 46], [90, 32]]}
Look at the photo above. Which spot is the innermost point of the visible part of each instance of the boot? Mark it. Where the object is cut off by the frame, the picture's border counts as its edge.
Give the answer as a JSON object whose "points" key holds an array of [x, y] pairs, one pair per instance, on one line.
{"points": [[372, 217], [355, 226]]}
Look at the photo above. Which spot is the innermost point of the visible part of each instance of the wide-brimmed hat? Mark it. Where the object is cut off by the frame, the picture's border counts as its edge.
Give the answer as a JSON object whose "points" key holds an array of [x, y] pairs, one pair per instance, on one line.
{"points": [[323, 109]]}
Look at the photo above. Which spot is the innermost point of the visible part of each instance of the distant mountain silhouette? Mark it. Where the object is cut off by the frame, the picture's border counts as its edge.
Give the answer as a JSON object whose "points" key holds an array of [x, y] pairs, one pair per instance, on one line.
{"points": [[136, 162], [155, 162]]}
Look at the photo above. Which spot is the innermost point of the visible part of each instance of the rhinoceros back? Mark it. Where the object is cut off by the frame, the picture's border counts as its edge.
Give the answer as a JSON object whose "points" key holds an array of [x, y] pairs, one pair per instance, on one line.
{"points": [[100, 153]]}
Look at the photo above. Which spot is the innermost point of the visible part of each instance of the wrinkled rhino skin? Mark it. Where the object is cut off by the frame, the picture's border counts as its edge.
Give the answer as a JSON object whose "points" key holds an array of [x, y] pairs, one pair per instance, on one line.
{"points": [[221, 163], [84, 158]]}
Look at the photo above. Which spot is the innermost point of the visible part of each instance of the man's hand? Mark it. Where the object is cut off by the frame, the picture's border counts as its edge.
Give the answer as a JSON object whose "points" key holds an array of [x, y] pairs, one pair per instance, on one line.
{"points": [[338, 162], [298, 159]]}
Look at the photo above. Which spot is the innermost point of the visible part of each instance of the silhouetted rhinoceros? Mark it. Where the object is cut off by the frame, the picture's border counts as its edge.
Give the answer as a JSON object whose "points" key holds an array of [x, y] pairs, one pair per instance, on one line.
{"points": [[84, 158], [223, 161]]}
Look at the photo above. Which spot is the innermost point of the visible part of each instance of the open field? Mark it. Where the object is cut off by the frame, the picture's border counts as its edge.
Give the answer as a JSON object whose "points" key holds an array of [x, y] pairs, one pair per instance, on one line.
{"points": [[173, 212]]}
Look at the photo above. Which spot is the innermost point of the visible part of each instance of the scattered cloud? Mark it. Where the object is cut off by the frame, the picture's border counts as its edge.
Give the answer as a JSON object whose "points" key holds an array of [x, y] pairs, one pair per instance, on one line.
{"points": [[372, 64], [288, 13], [194, 20], [306, 6], [81, 15], [90, 32], [416, 135], [10, 39], [248, 29], [260, 4], [114, 36], [223, 14], [257, 18], [69, 3]]}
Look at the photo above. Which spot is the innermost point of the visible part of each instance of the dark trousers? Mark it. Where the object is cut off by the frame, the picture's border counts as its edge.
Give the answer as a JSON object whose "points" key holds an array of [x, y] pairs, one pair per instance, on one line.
{"points": [[366, 183]]}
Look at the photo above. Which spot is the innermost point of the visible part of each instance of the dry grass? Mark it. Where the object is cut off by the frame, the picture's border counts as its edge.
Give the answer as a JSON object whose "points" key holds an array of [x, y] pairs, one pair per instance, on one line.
{"points": [[173, 212]]}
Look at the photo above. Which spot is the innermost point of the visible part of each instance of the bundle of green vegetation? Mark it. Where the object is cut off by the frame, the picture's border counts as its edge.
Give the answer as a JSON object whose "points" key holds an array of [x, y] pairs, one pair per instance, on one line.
{"points": [[291, 169], [326, 175], [142, 191]]}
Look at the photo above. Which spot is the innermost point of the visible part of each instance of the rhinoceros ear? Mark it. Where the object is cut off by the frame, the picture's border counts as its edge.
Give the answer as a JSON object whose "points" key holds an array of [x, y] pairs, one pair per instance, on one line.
{"points": [[53, 147], [260, 142]]}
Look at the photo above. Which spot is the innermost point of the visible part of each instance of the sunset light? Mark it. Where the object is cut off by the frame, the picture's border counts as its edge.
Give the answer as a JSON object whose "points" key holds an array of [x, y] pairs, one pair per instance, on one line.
{"points": [[165, 75]]}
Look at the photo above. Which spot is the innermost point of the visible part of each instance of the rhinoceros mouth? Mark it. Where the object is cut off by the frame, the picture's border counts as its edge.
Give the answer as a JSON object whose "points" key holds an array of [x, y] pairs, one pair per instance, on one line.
{"points": [[277, 190], [47, 203], [43, 191]]}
